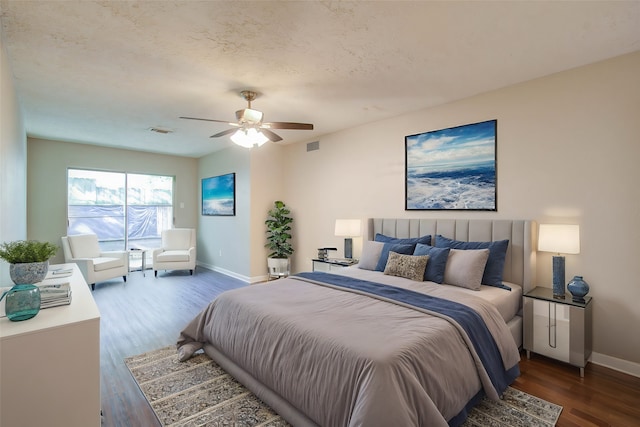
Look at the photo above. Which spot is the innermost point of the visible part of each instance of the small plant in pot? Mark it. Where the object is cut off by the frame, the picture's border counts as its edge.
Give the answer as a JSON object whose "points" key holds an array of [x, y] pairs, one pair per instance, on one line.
{"points": [[278, 235], [28, 259]]}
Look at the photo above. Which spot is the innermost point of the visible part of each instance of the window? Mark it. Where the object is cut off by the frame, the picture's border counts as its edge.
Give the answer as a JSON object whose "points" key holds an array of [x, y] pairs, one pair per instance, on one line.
{"points": [[125, 210]]}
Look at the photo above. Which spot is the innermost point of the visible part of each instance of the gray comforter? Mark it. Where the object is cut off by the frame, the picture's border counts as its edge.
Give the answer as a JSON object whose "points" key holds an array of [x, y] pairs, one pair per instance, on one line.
{"points": [[346, 359]]}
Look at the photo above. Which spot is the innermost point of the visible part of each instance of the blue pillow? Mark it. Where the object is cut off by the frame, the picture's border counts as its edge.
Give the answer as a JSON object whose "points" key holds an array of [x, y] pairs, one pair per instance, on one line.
{"points": [[426, 239], [437, 261], [495, 264], [404, 249]]}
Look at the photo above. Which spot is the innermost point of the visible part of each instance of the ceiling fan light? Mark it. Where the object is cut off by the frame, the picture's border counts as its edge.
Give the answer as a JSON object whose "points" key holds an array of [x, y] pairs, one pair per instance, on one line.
{"points": [[248, 138]]}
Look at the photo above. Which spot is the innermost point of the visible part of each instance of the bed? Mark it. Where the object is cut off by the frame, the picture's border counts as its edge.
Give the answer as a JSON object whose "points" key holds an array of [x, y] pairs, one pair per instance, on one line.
{"points": [[365, 348]]}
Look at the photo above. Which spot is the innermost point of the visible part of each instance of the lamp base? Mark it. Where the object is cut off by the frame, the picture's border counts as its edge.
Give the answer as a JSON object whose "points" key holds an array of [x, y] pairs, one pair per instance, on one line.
{"points": [[348, 248], [558, 277]]}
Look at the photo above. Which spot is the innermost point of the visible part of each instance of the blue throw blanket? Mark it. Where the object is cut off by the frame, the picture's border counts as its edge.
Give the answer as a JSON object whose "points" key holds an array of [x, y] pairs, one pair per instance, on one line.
{"points": [[470, 321]]}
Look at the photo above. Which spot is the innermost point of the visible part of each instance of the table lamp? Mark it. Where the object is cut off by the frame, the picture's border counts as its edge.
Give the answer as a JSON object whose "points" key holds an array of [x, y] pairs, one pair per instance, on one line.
{"points": [[348, 228], [559, 238]]}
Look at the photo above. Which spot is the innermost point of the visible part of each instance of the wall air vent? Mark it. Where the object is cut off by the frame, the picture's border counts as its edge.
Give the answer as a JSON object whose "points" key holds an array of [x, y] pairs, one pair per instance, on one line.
{"points": [[313, 146], [161, 130]]}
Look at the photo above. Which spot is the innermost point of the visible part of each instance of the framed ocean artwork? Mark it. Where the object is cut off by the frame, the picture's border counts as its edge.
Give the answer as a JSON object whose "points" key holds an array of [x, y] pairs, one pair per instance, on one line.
{"points": [[452, 169], [219, 195]]}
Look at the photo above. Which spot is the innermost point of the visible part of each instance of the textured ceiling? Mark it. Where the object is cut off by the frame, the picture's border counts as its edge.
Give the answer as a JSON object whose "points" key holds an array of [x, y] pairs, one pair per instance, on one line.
{"points": [[104, 72]]}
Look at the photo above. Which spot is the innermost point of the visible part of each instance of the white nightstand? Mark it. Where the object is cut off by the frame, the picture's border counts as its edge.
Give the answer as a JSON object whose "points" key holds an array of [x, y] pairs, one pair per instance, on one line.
{"points": [[329, 265], [559, 328]]}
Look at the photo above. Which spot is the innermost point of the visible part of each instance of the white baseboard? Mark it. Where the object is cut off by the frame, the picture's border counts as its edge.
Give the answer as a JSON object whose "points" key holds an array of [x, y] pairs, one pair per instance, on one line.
{"points": [[235, 275], [624, 366]]}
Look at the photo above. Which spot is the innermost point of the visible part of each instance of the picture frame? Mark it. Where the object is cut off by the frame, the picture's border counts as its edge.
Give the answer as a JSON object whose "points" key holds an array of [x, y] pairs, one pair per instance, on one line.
{"points": [[219, 195], [453, 168]]}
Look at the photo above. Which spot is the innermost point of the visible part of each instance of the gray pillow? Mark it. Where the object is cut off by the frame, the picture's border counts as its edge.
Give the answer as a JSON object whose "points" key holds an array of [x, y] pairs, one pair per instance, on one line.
{"points": [[465, 267], [407, 266], [370, 255], [492, 275]]}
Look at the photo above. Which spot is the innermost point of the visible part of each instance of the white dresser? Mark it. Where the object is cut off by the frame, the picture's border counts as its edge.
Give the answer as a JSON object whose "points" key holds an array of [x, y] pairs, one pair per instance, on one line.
{"points": [[50, 364]]}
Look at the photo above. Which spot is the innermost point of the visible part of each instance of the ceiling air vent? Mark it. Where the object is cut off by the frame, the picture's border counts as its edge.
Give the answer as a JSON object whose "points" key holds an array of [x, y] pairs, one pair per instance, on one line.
{"points": [[161, 130], [313, 146]]}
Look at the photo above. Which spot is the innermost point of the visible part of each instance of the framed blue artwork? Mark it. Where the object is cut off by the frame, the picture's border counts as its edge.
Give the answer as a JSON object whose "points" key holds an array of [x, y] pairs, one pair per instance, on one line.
{"points": [[219, 195], [452, 169]]}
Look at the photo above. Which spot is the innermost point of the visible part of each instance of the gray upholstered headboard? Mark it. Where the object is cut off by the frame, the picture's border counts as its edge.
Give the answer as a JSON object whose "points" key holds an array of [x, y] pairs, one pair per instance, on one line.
{"points": [[520, 262]]}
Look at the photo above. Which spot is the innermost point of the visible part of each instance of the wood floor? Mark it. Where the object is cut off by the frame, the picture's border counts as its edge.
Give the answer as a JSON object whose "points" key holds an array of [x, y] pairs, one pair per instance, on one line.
{"points": [[147, 313]]}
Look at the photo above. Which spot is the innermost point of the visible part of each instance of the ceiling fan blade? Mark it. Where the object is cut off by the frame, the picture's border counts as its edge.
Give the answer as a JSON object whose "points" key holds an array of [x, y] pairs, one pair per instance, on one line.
{"points": [[287, 125], [223, 133], [273, 137], [210, 120]]}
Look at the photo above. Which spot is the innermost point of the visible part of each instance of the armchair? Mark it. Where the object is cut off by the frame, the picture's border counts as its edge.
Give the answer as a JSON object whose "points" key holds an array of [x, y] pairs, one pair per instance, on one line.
{"points": [[178, 251], [95, 265]]}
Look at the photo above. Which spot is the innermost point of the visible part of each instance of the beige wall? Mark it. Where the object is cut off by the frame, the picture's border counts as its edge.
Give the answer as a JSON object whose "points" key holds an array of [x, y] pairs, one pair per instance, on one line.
{"points": [[235, 245], [47, 182], [568, 148], [223, 241], [13, 163]]}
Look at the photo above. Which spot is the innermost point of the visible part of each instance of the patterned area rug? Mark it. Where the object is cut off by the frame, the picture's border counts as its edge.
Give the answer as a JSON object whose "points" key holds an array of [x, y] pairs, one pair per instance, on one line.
{"points": [[200, 393]]}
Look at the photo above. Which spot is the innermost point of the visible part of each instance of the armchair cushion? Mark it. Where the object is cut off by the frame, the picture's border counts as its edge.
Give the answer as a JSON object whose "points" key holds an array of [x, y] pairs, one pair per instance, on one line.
{"points": [[84, 246], [177, 239], [173, 256], [106, 263]]}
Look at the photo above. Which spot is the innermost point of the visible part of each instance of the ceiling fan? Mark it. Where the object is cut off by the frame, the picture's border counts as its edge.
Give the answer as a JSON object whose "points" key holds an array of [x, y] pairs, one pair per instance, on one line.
{"points": [[250, 129]]}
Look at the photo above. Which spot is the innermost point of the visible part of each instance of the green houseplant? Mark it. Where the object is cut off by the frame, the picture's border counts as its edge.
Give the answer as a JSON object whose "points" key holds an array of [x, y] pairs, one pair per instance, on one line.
{"points": [[28, 259], [278, 225]]}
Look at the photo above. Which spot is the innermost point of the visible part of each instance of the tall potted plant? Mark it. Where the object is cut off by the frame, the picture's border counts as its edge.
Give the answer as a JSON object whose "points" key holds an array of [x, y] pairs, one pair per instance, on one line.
{"points": [[278, 235]]}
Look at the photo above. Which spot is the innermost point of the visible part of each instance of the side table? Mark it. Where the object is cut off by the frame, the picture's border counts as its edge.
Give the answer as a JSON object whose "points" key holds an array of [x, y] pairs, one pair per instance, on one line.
{"points": [[559, 328], [143, 253], [328, 265]]}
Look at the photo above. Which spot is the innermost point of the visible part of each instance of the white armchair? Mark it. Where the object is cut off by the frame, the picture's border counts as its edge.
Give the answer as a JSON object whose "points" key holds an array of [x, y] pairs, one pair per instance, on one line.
{"points": [[178, 251], [95, 265]]}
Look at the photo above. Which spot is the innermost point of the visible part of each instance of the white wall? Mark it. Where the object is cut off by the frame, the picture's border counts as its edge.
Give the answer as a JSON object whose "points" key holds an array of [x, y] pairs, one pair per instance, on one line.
{"points": [[47, 182], [568, 149], [235, 245], [13, 162]]}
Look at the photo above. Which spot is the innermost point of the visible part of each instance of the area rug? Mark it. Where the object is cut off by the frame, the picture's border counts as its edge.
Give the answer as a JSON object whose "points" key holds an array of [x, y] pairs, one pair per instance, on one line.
{"points": [[198, 392]]}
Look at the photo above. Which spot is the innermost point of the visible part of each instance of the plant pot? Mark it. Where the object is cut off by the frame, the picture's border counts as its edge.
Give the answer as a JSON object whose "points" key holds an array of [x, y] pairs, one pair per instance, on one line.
{"points": [[278, 267], [28, 273]]}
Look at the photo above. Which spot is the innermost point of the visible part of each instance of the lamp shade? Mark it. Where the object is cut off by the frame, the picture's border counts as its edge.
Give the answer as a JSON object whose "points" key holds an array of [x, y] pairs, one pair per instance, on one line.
{"points": [[249, 137], [559, 238], [347, 227]]}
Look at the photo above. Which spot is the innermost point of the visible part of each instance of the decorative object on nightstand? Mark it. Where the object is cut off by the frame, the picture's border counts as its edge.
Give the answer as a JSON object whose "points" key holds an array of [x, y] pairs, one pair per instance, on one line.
{"points": [[348, 228], [578, 288], [323, 253], [559, 238]]}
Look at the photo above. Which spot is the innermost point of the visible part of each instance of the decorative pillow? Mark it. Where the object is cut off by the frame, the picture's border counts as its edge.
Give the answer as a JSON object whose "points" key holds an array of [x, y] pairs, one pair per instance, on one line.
{"points": [[398, 248], [492, 275], [426, 239], [437, 261], [465, 267], [370, 255], [407, 266]]}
